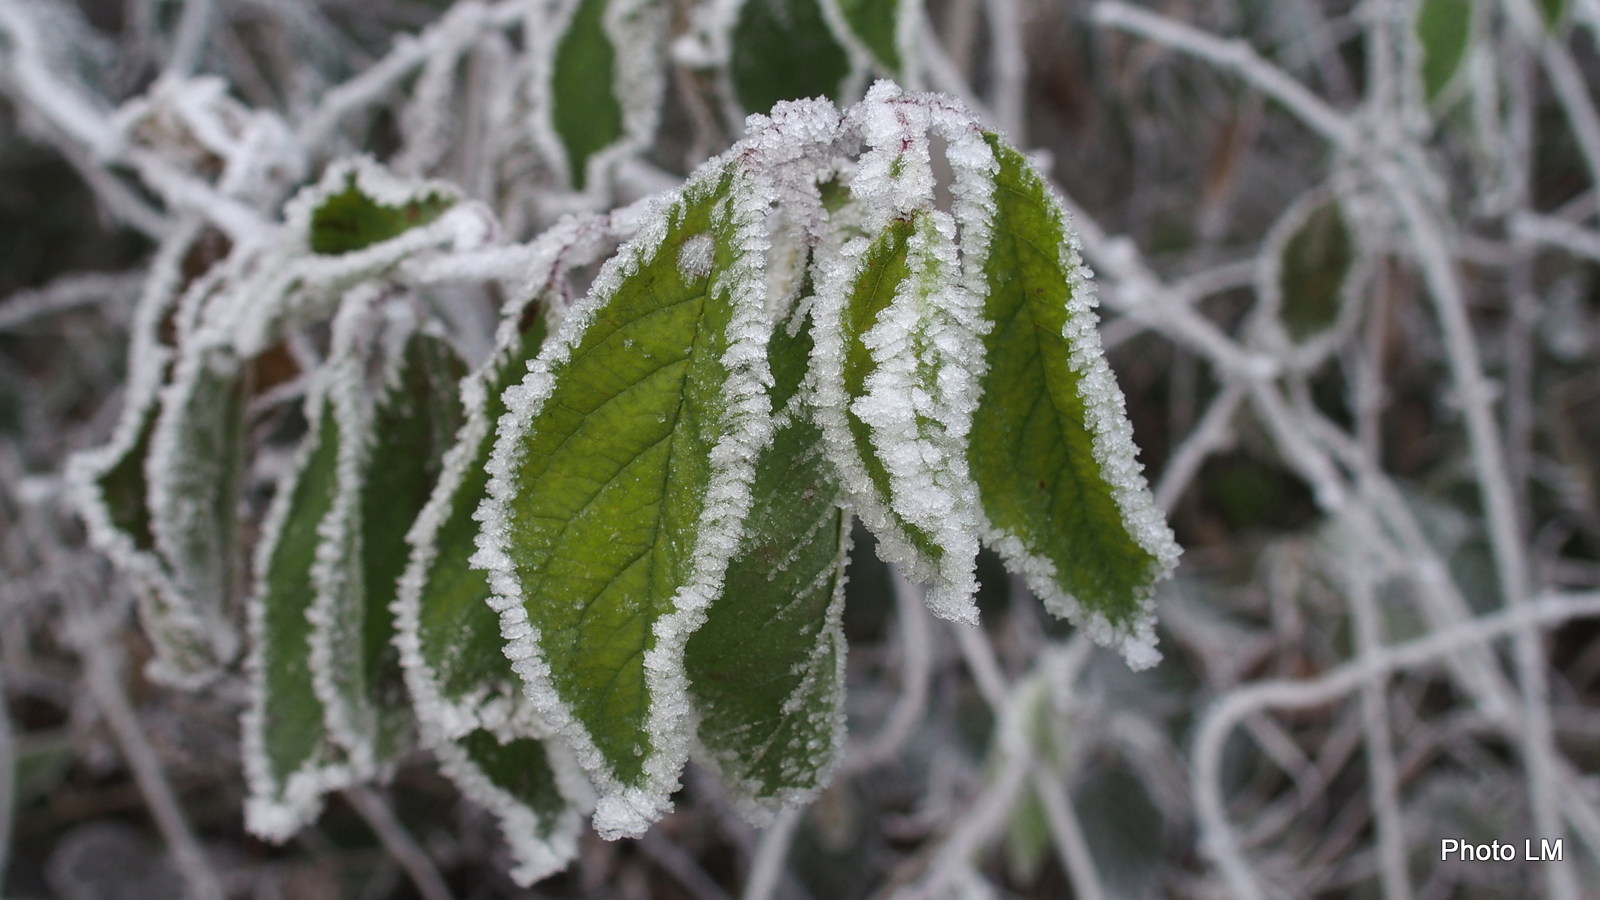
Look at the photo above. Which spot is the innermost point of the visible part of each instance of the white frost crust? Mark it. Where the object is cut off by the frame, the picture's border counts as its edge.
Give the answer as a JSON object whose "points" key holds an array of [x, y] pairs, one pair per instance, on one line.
{"points": [[275, 810], [758, 162], [749, 796], [284, 283], [933, 328], [1114, 451]]}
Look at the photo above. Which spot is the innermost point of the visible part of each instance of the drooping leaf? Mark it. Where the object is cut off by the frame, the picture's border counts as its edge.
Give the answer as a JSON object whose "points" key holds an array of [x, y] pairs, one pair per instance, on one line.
{"points": [[784, 50], [1051, 448], [902, 402], [876, 23], [289, 759], [193, 473], [382, 488], [351, 220], [766, 669], [1444, 28], [1313, 268], [619, 480], [584, 107], [521, 781]]}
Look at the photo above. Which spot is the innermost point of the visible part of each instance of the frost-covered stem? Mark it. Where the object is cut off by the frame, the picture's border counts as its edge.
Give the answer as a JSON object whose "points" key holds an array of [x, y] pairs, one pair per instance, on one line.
{"points": [[1065, 829], [8, 775], [945, 75], [1067, 832], [681, 866], [1574, 239], [67, 292], [1566, 79], [1214, 430], [1537, 738], [443, 37], [32, 83], [102, 663], [1236, 56], [375, 811], [916, 668], [1327, 485], [1219, 841], [189, 41], [1383, 778], [771, 855], [1137, 293], [1008, 65]]}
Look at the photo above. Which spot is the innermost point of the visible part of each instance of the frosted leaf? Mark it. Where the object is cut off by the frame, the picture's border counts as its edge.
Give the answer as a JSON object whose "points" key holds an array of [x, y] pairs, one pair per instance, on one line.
{"points": [[896, 386], [393, 384], [1063, 494], [599, 97], [766, 669], [785, 50], [449, 637], [621, 472], [885, 28], [289, 760], [112, 492]]}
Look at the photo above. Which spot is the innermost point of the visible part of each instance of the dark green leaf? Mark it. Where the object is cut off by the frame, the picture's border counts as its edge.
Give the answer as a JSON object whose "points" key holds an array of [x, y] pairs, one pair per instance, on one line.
{"points": [[766, 667], [1443, 28], [584, 108], [875, 23], [1314, 266], [350, 220], [783, 50]]}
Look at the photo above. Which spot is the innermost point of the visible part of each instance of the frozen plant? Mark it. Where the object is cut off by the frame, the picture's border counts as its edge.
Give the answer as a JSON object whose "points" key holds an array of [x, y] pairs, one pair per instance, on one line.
{"points": [[616, 538]]}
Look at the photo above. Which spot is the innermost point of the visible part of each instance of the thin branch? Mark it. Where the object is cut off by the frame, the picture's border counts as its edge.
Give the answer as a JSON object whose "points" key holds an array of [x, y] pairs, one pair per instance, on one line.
{"points": [[402, 847]]}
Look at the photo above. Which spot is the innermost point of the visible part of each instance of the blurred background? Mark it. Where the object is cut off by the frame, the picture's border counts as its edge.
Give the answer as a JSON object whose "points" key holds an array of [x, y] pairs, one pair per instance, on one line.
{"points": [[1349, 266]]}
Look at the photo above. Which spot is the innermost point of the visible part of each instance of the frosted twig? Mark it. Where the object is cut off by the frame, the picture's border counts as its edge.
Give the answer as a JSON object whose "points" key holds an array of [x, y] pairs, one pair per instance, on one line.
{"points": [[772, 854], [375, 811], [1219, 841], [1384, 781], [188, 42], [916, 667], [1008, 66], [1499, 501], [681, 866], [1566, 79], [1214, 430], [102, 663], [66, 293], [1067, 832], [1557, 232], [1235, 56]]}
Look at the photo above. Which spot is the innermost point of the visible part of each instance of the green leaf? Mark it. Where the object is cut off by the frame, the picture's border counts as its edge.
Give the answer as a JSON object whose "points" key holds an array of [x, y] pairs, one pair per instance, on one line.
{"points": [[520, 780], [766, 669], [876, 22], [124, 491], [1312, 272], [1051, 448], [289, 759], [584, 108], [382, 488], [891, 390], [619, 480], [193, 473], [458, 633], [1554, 13], [784, 50], [350, 220], [1444, 27]]}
